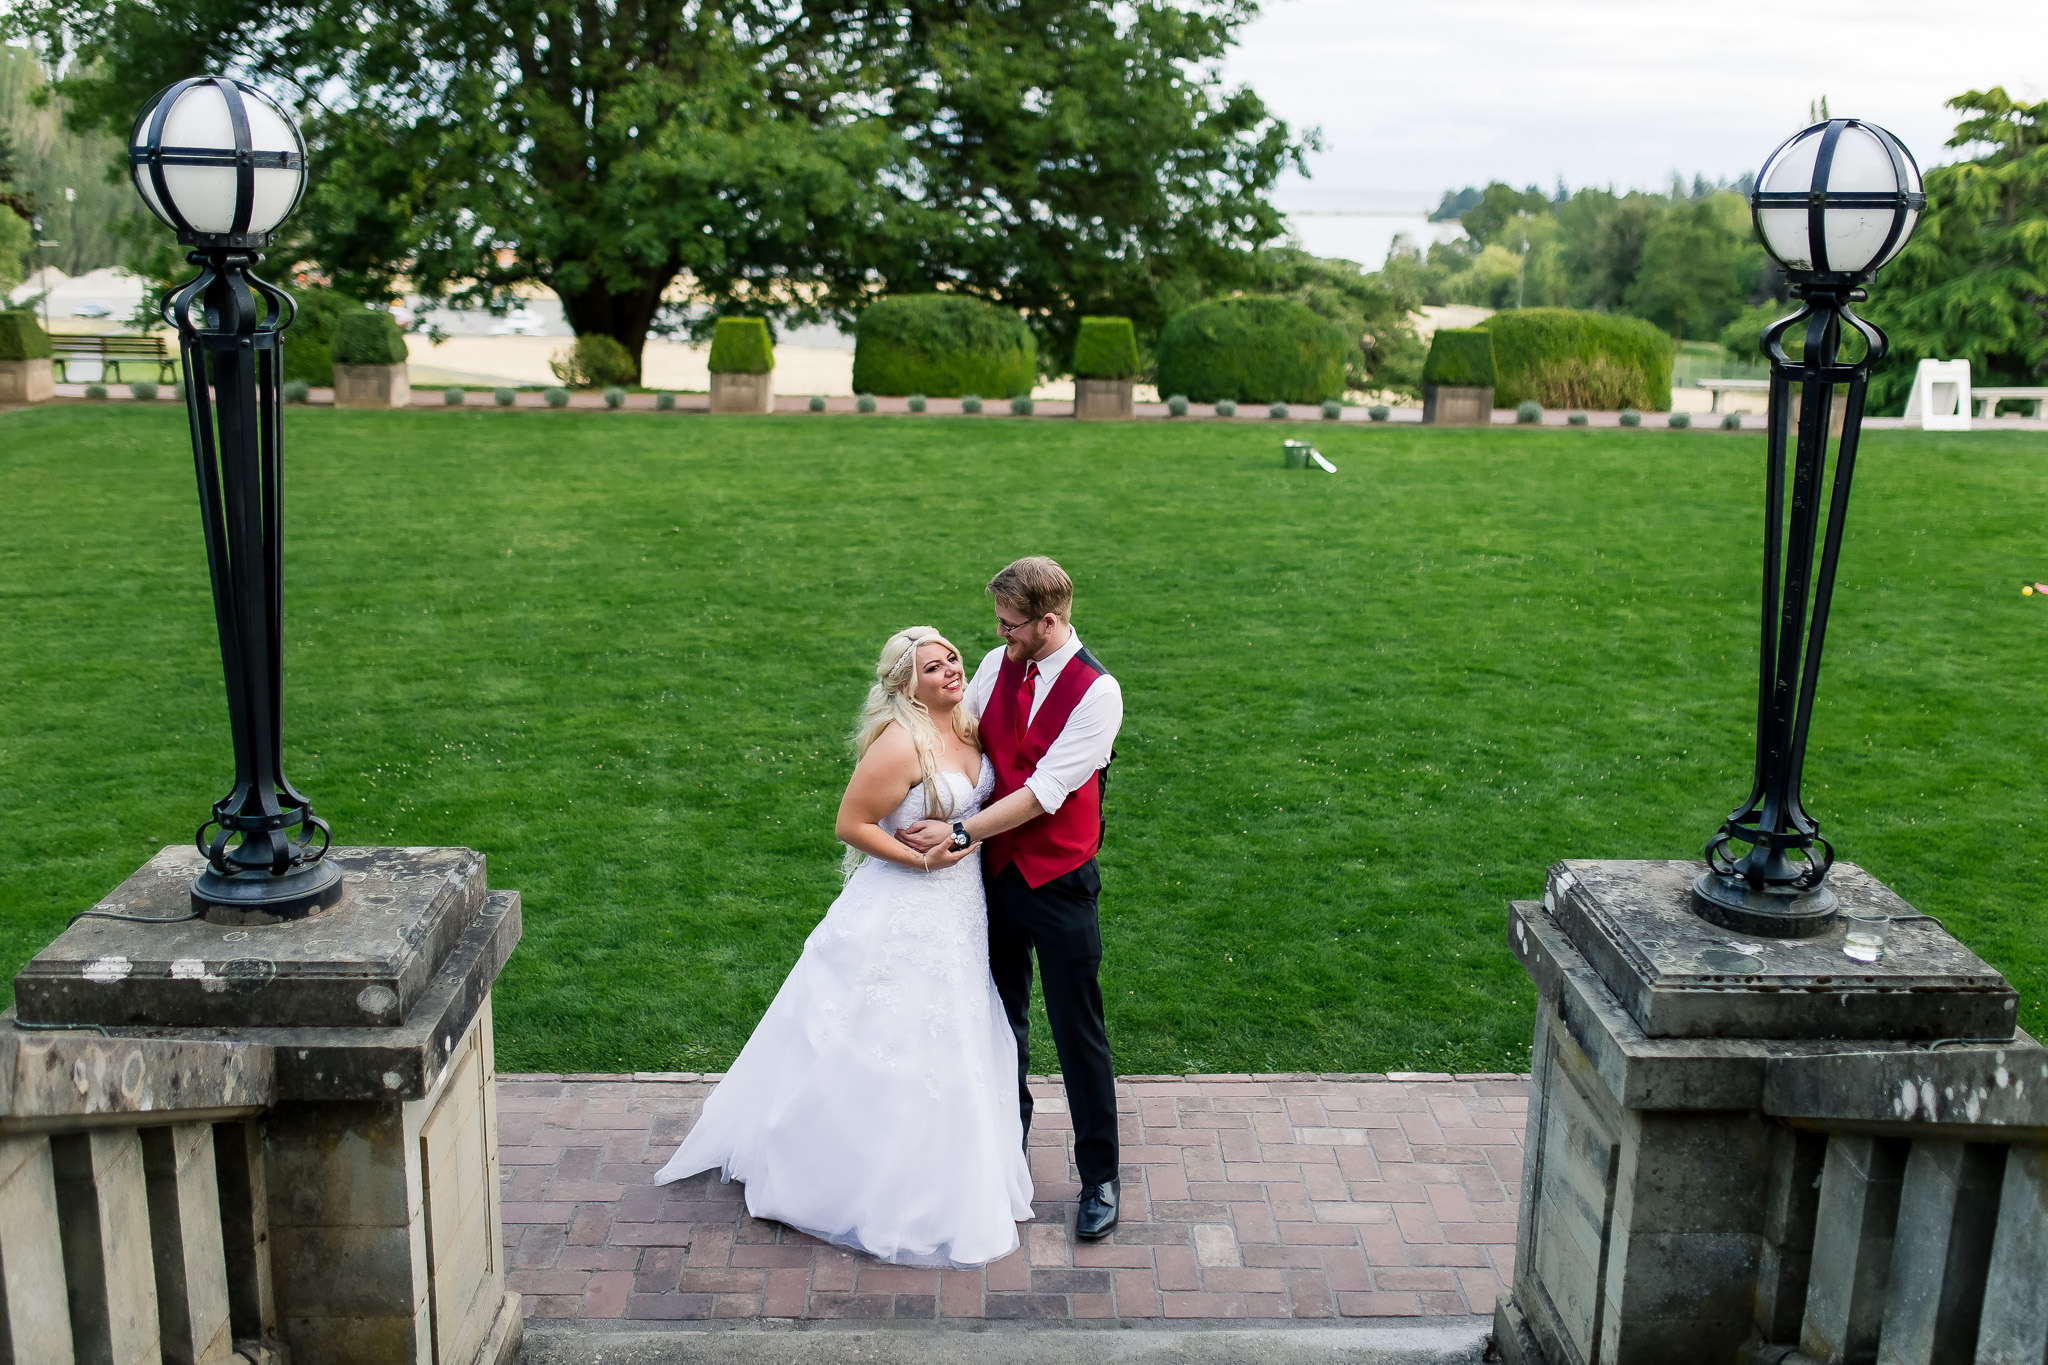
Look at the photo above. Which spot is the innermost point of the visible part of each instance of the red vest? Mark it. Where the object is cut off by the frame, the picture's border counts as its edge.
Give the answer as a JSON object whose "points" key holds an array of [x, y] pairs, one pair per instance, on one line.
{"points": [[1045, 846]]}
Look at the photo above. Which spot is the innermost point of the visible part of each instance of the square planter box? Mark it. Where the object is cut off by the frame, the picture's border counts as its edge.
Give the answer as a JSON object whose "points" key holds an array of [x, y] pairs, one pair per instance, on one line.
{"points": [[743, 392], [1104, 400], [1449, 405], [371, 386], [25, 381]]}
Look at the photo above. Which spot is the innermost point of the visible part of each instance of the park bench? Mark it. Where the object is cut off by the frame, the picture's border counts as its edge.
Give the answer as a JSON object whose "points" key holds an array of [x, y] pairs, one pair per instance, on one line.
{"points": [[1717, 387], [110, 350], [1987, 400]]}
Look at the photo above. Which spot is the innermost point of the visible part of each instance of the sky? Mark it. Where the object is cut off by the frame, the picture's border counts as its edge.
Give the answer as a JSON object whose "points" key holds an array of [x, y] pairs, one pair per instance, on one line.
{"points": [[1428, 95]]}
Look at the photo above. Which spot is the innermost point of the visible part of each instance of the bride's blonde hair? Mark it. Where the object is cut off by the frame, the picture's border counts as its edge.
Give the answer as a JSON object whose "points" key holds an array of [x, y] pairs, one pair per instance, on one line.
{"points": [[890, 701]]}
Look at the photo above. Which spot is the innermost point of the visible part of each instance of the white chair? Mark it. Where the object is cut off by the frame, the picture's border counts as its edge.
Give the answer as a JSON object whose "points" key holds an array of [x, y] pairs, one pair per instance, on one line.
{"points": [[1941, 396]]}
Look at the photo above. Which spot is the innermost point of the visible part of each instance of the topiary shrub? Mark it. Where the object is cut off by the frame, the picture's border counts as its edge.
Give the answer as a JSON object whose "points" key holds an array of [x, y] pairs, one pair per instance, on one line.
{"points": [[504, 397], [1577, 419], [942, 344], [454, 397], [1379, 412], [555, 397], [1333, 411], [1278, 412], [1177, 406], [1731, 422], [595, 361], [1460, 357], [309, 341], [1106, 348], [1564, 358], [95, 390], [864, 403], [615, 397], [365, 336], [971, 403], [1631, 418], [298, 390], [916, 403], [664, 402], [1021, 406], [1528, 412], [742, 346], [143, 389], [1680, 420], [1226, 408], [22, 337], [816, 404], [1258, 349]]}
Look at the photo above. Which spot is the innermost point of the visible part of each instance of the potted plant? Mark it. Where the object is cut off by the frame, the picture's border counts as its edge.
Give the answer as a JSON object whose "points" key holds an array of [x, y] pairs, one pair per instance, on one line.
{"points": [[24, 360], [369, 361], [742, 366], [1105, 369], [1457, 379]]}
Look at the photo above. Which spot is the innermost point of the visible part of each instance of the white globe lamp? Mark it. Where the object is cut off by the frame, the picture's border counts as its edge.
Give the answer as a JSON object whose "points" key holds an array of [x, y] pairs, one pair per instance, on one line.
{"points": [[1837, 200], [217, 160]]}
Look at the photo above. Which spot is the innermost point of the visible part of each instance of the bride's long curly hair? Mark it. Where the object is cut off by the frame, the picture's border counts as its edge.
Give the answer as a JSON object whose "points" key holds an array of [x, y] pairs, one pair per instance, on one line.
{"points": [[890, 700]]}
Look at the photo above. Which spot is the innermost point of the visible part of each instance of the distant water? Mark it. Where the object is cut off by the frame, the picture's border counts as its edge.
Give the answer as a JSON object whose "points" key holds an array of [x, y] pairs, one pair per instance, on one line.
{"points": [[1356, 224]]}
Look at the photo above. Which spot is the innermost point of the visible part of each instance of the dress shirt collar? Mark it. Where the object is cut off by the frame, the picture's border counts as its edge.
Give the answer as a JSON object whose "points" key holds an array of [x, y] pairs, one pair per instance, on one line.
{"points": [[1049, 667]]}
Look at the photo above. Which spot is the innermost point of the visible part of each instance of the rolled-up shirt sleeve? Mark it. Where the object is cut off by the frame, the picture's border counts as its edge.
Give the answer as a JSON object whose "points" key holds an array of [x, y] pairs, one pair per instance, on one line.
{"points": [[1083, 745]]}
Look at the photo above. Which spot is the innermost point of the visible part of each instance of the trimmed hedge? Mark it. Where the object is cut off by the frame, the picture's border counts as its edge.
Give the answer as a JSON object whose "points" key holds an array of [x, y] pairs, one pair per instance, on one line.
{"points": [[945, 345], [1106, 348], [1564, 358], [596, 361], [309, 341], [1461, 357], [742, 346], [368, 337], [1254, 350], [22, 337]]}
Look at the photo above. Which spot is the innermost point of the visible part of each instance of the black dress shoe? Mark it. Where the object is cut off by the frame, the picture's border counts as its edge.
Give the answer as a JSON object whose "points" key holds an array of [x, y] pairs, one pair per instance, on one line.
{"points": [[1098, 1211]]}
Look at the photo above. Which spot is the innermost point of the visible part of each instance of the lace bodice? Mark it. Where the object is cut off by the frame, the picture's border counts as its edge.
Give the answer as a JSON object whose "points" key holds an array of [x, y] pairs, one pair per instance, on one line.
{"points": [[968, 797]]}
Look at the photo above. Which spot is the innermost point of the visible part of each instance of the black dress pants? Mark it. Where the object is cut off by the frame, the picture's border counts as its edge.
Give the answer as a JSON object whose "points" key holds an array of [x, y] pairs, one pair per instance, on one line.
{"points": [[1058, 923]]}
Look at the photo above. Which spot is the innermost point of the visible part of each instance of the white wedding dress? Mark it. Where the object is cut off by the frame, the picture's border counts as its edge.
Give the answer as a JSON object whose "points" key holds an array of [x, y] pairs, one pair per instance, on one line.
{"points": [[875, 1105]]}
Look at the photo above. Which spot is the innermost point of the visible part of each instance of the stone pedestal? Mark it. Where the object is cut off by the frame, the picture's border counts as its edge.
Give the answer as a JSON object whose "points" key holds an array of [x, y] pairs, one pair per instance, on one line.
{"points": [[750, 393], [26, 381], [1449, 405], [1105, 400], [1762, 1151], [311, 1111], [372, 386]]}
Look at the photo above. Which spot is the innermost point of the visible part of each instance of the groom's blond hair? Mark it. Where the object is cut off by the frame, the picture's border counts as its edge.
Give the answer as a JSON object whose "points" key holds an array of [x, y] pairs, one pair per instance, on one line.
{"points": [[1035, 586]]}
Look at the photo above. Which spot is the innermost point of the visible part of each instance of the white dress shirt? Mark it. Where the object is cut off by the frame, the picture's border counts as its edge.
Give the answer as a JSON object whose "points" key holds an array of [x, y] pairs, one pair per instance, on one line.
{"points": [[1083, 745]]}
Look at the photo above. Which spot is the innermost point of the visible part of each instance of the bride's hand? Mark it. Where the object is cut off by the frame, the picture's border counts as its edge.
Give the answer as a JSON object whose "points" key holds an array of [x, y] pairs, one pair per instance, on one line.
{"points": [[946, 857], [927, 836]]}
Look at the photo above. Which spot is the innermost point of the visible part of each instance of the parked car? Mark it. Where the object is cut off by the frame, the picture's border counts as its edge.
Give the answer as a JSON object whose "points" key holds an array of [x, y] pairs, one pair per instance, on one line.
{"points": [[518, 323], [92, 308]]}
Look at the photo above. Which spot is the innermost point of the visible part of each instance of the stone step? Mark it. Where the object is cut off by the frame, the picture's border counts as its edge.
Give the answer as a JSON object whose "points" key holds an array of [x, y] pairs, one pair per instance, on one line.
{"points": [[1454, 1341]]}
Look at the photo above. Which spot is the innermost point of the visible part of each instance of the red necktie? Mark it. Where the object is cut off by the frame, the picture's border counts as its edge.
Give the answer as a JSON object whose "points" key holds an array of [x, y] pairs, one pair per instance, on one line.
{"points": [[1025, 690]]}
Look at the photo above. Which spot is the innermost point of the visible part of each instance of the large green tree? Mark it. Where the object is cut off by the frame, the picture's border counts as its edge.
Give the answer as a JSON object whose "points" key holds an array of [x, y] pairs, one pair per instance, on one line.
{"points": [[788, 157], [1973, 283]]}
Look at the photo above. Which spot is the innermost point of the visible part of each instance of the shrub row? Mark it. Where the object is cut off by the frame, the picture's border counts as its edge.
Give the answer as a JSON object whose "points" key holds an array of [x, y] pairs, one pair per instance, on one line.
{"points": [[1256, 350], [945, 345], [1565, 358]]}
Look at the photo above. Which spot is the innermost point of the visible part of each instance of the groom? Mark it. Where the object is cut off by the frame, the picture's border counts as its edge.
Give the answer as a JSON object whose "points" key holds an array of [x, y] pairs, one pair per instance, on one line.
{"points": [[1049, 714]]}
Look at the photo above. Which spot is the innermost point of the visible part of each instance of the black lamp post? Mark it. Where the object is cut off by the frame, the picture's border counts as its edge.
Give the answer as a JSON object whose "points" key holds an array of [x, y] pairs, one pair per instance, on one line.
{"points": [[1831, 205], [222, 164]]}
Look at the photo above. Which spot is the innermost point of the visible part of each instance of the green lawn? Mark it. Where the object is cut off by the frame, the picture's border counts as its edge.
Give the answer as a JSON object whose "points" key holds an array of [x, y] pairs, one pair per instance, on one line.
{"points": [[620, 652]]}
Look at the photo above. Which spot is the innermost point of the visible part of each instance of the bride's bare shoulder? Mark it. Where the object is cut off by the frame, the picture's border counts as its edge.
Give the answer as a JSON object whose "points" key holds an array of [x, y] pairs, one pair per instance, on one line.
{"points": [[893, 747]]}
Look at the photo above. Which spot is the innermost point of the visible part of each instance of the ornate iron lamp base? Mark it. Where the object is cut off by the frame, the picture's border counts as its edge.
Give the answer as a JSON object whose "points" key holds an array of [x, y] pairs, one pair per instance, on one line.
{"points": [[263, 898], [1731, 903]]}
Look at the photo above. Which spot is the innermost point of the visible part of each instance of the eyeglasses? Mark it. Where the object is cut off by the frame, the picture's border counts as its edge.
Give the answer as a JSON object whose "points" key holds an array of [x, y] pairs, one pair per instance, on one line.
{"points": [[1009, 628]]}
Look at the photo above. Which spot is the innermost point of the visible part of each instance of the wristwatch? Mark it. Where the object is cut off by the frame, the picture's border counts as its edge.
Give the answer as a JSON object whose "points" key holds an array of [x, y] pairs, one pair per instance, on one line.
{"points": [[960, 836]]}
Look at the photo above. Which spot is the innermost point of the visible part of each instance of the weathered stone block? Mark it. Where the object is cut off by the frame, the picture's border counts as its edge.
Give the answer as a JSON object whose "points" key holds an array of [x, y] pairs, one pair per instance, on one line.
{"points": [[103, 1219], [372, 386], [26, 381], [1940, 1252], [1447, 405], [743, 393], [1104, 400], [362, 963], [2015, 1322], [185, 1239]]}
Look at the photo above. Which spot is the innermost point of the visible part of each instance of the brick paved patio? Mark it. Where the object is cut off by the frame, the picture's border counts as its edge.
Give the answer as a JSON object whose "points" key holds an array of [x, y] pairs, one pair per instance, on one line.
{"points": [[1244, 1197]]}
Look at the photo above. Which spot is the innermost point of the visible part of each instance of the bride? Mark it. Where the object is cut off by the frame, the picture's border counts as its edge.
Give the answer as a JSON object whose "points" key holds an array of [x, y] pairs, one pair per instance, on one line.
{"points": [[875, 1106]]}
